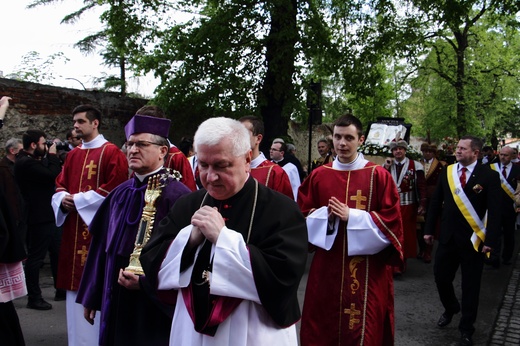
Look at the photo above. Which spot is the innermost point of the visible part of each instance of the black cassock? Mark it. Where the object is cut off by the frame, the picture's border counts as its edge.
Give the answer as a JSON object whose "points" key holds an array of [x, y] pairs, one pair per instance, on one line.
{"points": [[277, 245]]}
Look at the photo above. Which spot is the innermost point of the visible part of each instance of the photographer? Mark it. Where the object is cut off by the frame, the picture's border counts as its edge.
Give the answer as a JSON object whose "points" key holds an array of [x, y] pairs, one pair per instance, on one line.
{"points": [[35, 171]]}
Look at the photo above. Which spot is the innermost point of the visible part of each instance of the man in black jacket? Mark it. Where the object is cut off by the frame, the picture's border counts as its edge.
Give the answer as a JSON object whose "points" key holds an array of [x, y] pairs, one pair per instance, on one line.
{"points": [[509, 176], [35, 171], [465, 192]]}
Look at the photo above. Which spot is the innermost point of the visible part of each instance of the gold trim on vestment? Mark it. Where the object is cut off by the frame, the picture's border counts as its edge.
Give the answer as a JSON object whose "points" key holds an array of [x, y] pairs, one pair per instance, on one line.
{"points": [[268, 175]]}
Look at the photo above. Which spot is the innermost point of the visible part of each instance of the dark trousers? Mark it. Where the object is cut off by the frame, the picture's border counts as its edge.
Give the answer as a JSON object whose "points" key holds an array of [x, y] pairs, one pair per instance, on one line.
{"points": [[507, 241], [42, 238], [448, 258], [10, 330]]}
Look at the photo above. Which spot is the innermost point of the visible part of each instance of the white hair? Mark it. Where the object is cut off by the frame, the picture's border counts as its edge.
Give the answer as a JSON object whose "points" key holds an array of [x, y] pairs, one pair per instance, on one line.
{"points": [[214, 130]]}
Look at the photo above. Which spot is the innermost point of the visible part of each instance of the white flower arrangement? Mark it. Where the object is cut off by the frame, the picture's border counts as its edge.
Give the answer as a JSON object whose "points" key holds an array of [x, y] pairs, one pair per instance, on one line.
{"points": [[384, 151]]}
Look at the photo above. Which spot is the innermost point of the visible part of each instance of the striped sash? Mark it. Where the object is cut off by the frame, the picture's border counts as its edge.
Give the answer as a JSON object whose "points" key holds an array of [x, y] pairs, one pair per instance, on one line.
{"points": [[503, 182], [466, 208]]}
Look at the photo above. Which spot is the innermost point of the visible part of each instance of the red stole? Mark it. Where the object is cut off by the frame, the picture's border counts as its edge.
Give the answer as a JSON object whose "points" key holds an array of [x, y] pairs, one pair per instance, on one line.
{"points": [[222, 307]]}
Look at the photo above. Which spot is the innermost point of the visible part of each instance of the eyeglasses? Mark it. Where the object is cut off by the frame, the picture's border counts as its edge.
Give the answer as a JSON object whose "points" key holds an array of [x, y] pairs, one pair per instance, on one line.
{"points": [[140, 144], [273, 149]]}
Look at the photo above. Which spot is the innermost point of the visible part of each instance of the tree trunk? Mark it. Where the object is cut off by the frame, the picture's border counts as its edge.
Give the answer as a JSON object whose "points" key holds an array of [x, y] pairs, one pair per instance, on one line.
{"points": [[460, 83], [277, 94]]}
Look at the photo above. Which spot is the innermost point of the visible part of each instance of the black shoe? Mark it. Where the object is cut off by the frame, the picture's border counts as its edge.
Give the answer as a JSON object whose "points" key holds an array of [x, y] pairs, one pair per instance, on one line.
{"points": [[39, 304], [446, 318], [466, 340], [60, 295]]}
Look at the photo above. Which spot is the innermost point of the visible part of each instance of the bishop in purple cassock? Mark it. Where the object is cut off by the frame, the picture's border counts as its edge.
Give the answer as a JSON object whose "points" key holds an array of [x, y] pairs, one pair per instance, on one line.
{"points": [[131, 313]]}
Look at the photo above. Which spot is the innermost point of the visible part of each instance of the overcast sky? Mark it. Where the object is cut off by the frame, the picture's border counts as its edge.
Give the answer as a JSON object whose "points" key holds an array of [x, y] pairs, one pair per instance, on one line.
{"points": [[39, 29]]}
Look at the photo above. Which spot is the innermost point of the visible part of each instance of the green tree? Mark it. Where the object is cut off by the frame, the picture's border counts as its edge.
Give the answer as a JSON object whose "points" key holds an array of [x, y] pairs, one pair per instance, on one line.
{"points": [[127, 30]]}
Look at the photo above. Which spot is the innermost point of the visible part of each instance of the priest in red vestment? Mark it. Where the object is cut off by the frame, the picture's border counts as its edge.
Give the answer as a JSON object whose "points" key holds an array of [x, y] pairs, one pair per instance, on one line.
{"points": [[355, 229], [90, 172], [265, 171]]}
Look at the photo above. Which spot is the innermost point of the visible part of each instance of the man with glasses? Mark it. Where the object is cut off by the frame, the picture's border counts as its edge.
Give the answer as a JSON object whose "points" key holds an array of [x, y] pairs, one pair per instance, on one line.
{"points": [[277, 152], [129, 306], [73, 139], [90, 172]]}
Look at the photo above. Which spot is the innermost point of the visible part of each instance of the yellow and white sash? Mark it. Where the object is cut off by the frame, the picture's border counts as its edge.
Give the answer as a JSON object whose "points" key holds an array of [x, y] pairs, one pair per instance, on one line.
{"points": [[466, 208], [503, 182]]}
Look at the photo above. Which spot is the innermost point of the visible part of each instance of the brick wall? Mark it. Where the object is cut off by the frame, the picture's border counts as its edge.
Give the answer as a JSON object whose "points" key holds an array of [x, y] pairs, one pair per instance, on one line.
{"points": [[48, 108]]}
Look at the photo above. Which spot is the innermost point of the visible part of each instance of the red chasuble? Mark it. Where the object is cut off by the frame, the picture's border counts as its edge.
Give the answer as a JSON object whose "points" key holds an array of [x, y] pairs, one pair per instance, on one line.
{"points": [[273, 176], [100, 169], [349, 300], [177, 161]]}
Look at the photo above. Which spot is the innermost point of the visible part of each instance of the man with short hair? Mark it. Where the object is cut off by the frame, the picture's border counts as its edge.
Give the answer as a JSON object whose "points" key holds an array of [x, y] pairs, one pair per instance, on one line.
{"points": [[325, 154], [90, 172], [509, 176], [409, 178], [35, 171], [124, 299], [354, 225], [290, 157], [489, 155], [238, 250], [266, 172], [277, 153], [73, 139], [466, 191]]}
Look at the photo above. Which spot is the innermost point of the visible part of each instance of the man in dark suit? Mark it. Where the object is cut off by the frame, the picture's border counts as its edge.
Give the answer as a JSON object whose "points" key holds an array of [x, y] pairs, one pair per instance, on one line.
{"points": [[509, 175], [464, 239]]}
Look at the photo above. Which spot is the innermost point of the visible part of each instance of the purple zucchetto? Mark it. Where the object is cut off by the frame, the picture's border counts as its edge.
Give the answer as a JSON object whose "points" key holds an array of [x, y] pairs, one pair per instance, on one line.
{"points": [[146, 124]]}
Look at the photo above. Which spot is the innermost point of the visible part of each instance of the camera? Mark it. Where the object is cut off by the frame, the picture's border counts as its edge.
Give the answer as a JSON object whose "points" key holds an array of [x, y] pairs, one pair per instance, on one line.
{"points": [[59, 145]]}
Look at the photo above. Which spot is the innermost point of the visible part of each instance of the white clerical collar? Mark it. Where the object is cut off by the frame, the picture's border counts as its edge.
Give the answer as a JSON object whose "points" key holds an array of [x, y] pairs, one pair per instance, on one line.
{"points": [[142, 177], [258, 160], [277, 161], [359, 162], [95, 143], [470, 167]]}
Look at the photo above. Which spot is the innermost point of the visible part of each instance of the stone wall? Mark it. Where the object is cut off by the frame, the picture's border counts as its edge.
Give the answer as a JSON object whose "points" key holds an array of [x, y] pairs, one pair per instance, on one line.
{"points": [[48, 108]]}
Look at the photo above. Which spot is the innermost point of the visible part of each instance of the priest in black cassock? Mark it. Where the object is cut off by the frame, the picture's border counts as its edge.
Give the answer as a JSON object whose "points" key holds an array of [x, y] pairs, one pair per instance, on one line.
{"points": [[131, 313], [235, 250]]}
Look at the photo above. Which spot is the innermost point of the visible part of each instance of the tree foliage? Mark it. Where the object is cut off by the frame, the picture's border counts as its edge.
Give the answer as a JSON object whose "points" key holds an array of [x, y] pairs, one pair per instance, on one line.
{"points": [[449, 67]]}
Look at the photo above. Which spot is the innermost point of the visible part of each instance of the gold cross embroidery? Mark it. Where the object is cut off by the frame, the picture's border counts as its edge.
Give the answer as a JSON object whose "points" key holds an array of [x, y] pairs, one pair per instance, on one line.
{"points": [[352, 313], [359, 198], [83, 252], [91, 169]]}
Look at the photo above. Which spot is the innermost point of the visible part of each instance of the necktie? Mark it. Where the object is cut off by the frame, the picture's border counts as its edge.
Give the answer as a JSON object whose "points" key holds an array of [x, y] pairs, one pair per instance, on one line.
{"points": [[463, 177], [398, 168], [504, 173]]}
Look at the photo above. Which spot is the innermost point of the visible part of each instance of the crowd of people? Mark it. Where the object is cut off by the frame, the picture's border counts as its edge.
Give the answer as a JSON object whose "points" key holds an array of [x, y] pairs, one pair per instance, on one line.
{"points": [[206, 244]]}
